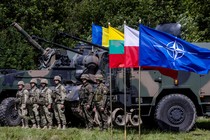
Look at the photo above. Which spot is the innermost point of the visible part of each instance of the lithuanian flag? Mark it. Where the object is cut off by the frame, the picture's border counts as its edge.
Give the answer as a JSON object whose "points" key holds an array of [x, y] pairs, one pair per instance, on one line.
{"points": [[100, 35], [116, 48]]}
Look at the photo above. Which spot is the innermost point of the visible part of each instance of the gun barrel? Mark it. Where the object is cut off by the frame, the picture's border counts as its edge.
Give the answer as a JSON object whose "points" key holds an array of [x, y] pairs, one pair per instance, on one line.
{"points": [[76, 38], [56, 44], [28, 37]]}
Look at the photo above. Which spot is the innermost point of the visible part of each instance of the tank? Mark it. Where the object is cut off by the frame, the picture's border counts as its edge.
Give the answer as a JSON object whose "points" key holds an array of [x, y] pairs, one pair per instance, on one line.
{"points": [[69, 63]]}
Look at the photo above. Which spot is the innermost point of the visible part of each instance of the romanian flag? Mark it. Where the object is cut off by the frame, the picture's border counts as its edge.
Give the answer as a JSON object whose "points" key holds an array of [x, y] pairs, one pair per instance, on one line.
{"points": [[116, 48], [100, 35]]}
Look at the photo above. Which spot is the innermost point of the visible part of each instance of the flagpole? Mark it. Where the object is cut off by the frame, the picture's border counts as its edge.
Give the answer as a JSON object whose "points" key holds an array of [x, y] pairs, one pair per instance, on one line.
{"points": [[110, 86], [110, 89], [139, 103], [125, 100], [139, 89], [125, 133]]}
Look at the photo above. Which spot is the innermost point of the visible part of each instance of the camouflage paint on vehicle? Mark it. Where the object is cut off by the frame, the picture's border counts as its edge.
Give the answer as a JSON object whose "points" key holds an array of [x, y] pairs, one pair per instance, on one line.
{"points": [[174, 103]]}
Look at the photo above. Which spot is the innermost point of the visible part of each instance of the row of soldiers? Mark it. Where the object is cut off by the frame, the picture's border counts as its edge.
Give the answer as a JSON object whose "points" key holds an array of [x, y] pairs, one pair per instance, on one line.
{"points": [[36, 104]]}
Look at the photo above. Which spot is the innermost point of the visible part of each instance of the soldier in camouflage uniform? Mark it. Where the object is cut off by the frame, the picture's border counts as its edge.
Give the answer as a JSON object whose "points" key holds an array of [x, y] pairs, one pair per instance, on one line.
{"points": [[22, 97], [86, 97], [59, 94], [45, 104], [99, 101], [33, 104]]}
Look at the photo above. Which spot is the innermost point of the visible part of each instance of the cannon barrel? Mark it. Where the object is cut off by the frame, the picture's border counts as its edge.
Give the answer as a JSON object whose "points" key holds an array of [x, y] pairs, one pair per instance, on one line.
{"points": [[56, 44], [28, 37], [79, 39]]}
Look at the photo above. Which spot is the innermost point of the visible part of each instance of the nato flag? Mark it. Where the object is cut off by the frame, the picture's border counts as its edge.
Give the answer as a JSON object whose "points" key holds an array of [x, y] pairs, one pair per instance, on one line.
{"points": [[160, 49]]}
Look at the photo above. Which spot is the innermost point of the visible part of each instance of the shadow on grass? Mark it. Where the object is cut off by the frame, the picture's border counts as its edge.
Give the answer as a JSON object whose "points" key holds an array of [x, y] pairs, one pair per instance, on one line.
{"points": [[203, 123]]}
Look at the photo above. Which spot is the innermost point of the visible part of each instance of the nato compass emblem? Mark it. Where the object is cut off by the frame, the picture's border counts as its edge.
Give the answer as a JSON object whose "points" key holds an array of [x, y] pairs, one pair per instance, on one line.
{"points": [[174, 49]]}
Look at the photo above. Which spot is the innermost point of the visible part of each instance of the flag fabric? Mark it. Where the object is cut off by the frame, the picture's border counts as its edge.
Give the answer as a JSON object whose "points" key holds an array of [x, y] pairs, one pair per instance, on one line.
{"points": [[131, 47], [116, 48], [160, 49], [100, 35], [132, 53]]}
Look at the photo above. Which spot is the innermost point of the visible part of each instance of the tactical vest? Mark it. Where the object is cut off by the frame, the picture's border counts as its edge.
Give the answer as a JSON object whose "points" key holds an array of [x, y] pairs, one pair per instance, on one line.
{"points": [[33, 95], [99, 93], [43, 96], [21, 96], [84, 92], [58, 95]]}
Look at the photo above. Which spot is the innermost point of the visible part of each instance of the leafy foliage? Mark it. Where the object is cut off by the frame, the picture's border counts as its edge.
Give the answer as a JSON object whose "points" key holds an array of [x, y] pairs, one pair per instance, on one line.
{"points": [[46, 18]]}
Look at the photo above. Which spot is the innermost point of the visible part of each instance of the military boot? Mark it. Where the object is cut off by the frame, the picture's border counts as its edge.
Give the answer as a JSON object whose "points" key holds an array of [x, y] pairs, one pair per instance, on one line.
{"points": [[26, 123], [59, 126], [23, 124], [50, 127], [64, 127], [34, 126], [45, 127], [38, 126]]}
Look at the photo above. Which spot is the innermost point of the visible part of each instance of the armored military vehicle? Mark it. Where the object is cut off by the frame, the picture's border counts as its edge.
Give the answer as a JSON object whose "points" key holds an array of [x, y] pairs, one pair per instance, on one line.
{"points": [[174, 102]]}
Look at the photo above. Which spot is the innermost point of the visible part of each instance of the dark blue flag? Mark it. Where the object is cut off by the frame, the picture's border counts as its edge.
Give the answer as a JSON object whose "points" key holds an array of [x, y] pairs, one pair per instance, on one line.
{"points": [[160, 49]]}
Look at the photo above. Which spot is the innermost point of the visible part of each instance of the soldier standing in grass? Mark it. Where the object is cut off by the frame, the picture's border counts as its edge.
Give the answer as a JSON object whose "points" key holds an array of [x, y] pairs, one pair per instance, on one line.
{"points": [[60, 94], [22, 97], [45, 104], [33, 104], [86, 96], [99, 101]]}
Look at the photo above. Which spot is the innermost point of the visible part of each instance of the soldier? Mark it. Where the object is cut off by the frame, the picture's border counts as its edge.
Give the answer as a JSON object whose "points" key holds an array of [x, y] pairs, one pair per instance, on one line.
{"points": [[60, 94], [33, 104], [45, 105], [99, 100], [22, 97], [86, 96]]}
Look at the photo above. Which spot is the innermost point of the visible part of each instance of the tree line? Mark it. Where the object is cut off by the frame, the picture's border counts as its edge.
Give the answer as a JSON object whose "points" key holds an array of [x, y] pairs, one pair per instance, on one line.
{"points": [[45, 18]]}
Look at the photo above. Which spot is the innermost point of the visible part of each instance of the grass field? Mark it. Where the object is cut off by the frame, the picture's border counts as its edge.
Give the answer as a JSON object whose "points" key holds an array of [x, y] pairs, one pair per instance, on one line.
{"points": [[201, 132]]}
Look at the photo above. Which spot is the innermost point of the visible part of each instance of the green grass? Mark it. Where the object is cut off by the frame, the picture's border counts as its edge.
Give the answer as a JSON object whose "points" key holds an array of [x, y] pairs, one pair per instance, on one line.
{"points": [[201, 132]]}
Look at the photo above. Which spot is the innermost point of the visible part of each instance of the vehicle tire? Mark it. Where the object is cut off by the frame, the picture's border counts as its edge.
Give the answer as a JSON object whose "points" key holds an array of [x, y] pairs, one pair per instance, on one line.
{"points": [[175, 112], [134, 118], [119, 117], [8, 114]]}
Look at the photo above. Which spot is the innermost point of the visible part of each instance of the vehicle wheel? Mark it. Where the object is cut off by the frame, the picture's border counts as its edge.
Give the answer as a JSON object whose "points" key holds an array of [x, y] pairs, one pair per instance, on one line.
{"points": [[8, 115], [175, 112], [119, 117], [134, 118]]}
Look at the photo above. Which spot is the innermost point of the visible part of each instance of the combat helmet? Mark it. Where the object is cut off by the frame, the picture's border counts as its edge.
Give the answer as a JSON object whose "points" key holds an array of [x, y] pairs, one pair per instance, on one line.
{"points": [[21, 83], [99, 77], [33, 81], [44, 81], [57, 78], [84, 76]]}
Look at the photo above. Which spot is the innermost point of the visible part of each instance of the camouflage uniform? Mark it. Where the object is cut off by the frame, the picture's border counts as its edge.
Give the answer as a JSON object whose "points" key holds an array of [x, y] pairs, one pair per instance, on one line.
{"points": [[99, 100], [59, 95], [45, 102], [22, 97], [33, 104], [86, 97]]}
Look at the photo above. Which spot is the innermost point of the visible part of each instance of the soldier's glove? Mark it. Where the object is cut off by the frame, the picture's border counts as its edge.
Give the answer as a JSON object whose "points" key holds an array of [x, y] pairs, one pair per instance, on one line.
{"points": [[62, 106], [49, 106], [17, 101], [94, 109], [23, 106], [87, 106], [101, 109], [39, 103], [28, 102]]}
